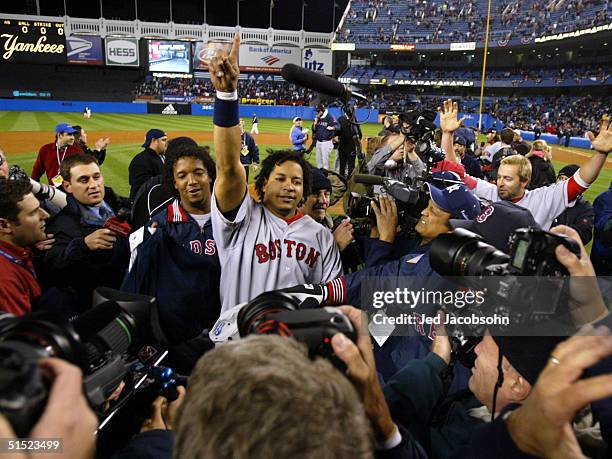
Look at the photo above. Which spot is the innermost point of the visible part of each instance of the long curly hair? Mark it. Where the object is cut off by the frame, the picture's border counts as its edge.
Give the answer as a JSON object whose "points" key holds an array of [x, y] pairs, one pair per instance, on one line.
{"points": [[277, 158]]}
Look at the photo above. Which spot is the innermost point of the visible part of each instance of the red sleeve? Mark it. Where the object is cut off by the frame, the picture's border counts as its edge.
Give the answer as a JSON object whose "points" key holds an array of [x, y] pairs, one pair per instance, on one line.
{"points": [[459, 169], [574, 188]]}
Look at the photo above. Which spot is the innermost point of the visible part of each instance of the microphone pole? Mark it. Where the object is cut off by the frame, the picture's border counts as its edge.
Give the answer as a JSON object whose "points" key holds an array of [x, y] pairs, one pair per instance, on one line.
{"points": [[349, 112]]}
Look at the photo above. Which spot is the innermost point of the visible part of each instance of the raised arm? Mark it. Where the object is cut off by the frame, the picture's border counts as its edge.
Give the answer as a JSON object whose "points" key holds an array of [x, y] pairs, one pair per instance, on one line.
{"points": [[449, 124], [231, 182], [603, 145]]}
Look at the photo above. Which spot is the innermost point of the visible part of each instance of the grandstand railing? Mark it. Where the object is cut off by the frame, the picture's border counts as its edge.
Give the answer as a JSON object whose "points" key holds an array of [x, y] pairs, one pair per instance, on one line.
{"points": [[170, 30]]}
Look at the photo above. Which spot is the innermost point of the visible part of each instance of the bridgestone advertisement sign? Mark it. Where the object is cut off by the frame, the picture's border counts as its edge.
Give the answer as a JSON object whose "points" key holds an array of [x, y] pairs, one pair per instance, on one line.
{"points": [[169, 108], [122, 52]]}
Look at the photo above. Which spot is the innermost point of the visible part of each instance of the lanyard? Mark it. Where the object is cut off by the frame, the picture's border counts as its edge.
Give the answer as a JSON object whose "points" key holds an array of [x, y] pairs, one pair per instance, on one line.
{"points": [[17, 261], [59, 161]]}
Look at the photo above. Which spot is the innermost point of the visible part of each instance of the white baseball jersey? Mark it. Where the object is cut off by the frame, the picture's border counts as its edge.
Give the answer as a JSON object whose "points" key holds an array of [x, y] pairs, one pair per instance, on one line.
{"points": [[260, 252], [544, 203]]}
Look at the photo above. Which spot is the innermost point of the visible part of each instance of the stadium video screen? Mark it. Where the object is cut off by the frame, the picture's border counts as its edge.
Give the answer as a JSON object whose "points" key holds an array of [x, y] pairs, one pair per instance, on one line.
{"points": [[169, 56]]}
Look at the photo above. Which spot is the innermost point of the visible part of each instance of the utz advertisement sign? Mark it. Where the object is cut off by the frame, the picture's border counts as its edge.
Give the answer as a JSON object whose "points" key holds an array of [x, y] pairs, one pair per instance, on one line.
{"points": [[318, 60], [122, 52], [266, 59], [84, 49]]}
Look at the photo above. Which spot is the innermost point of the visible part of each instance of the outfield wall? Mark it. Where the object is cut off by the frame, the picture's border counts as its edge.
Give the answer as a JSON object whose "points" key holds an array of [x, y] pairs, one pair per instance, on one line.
{"points": [[141, 108]]}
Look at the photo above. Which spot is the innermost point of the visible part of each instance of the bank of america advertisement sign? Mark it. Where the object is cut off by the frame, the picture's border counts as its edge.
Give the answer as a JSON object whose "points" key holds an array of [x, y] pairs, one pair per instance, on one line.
{"points": [[84, 49], [122, 52], [258, 58], [318, 60]]}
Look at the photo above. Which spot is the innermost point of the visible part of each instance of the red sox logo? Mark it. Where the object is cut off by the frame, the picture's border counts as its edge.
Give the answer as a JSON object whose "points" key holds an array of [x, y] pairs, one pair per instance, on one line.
{"points": [[196, 247], [485, 214]]}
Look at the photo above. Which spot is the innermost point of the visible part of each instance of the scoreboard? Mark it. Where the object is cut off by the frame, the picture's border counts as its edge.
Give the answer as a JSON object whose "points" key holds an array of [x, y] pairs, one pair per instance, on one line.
{"points": [[32, 42]]}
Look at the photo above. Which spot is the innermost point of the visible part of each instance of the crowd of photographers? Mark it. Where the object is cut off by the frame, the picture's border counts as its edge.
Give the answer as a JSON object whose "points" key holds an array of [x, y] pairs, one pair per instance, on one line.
{"points": [[97, 287]]}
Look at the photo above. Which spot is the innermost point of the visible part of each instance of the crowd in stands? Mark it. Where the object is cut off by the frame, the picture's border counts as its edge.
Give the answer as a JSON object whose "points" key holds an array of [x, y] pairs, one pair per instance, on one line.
{"points": [[283, 93], [575, 74], [257, 301], [446, 21], [573, 114]]}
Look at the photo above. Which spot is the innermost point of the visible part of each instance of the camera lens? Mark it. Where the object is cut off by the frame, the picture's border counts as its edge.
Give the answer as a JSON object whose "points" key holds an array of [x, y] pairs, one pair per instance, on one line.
{"points": [[463, 253], [251, 315]]}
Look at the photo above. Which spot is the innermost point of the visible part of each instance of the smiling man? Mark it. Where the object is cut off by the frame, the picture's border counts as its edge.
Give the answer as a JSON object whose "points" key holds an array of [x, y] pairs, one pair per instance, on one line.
{"points": [[86, 255], [178, 262], [22, 225], [262, 245]]}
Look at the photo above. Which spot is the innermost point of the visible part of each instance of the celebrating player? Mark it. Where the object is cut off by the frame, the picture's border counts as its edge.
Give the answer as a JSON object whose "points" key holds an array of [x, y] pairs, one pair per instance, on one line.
{"points": [[262, 245]]}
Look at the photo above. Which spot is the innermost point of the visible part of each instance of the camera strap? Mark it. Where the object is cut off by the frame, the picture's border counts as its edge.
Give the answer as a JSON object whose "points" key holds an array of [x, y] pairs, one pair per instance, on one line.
{"points": [[498, 384]]}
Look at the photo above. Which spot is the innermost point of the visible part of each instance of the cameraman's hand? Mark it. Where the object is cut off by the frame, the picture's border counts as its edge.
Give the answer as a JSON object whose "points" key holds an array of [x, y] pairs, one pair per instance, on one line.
{"points": [[224, 70], [102, 239], [386, 218], [343, 234], [361, 369], [441, 344], [163, 413], [558, 394], [448, 116], [67, 414], [586, 302]]}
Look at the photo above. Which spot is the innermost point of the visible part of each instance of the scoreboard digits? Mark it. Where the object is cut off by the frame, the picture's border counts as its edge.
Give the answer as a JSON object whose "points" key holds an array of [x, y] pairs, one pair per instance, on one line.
{"points": [[32, 41]]}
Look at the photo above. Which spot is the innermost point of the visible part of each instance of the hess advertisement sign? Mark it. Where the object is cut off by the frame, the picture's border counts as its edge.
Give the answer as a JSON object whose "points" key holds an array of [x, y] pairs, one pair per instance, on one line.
{"points": [[122, 52], [32, 42]]}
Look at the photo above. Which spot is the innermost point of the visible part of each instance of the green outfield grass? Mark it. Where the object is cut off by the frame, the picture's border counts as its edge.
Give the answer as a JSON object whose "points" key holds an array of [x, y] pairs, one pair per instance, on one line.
{"points": [[119, 155]]}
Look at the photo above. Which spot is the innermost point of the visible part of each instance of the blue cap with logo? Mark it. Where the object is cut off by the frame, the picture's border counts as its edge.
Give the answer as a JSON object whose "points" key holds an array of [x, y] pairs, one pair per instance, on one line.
{"points": [[457, 200], [63, 127], [497, 222], [153, 134]]}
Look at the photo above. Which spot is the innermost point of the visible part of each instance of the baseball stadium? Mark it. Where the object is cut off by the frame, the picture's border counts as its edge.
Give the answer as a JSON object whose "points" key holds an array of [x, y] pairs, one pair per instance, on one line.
{"points": [[300, 228]]}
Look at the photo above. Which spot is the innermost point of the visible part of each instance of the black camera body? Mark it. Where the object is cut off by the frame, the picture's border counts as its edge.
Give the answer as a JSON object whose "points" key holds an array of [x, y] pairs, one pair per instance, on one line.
{"points": [[101, 342], [532, 252], [278, 313]]}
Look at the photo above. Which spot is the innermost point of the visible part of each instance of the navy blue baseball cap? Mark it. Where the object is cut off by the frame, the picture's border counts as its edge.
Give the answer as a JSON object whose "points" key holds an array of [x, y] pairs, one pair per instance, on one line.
{"points": [[320, 181], [153, 134], [460, 140], [497, 222], [63, 127], [443, 179], [457, 200]]}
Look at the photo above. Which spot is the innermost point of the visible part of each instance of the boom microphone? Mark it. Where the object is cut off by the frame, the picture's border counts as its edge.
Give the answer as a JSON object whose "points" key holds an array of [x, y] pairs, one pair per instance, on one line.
{"points": [[317, 82], [368, 179]]}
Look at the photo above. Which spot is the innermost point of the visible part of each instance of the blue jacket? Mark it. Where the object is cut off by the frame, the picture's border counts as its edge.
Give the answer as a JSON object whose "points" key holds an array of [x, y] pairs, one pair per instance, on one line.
{"points": [[601, 255], [179, 265], [298, 139], [321, 133], [250, 151], [411, 271]]}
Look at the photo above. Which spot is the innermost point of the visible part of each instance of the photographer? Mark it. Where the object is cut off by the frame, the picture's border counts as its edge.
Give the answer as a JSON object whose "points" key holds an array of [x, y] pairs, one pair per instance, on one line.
{"points": [[415, 394], [85, 255], [576, 375], [326, 416], [396, 159], [66, 417], [515, 173]]}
